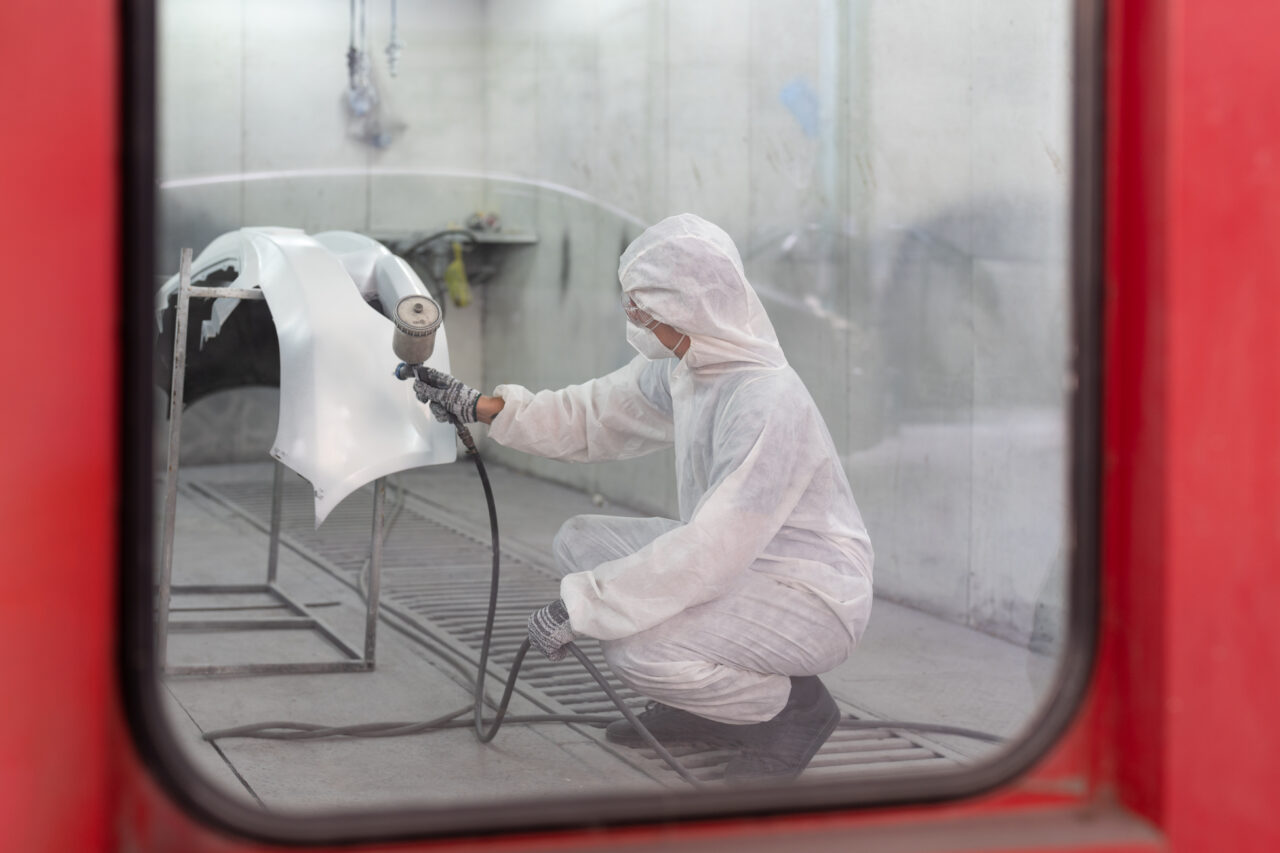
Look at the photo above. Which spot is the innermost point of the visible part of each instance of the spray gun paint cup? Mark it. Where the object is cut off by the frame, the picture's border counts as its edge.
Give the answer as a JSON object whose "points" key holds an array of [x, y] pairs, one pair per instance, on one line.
{"points": [[416, 320]]}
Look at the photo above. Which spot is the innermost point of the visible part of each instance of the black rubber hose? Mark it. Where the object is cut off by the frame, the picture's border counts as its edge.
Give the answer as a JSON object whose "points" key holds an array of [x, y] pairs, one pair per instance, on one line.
{"points": [[932, 728], [477, 695], [286, 730], [422, 242], [485, 735]]}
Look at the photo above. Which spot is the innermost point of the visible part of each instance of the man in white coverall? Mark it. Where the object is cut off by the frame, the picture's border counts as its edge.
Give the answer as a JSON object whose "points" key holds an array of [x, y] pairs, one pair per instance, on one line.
{"points": [[725, 617]]}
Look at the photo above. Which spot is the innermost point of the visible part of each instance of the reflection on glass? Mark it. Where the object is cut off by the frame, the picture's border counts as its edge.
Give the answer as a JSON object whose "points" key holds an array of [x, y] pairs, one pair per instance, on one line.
{"points": [[894, 176]]}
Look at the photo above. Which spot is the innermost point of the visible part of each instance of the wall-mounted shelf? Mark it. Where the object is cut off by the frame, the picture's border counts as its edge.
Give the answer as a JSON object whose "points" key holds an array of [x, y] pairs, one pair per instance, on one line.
{"points": [[514, 238], [431, 258], [405, 238]]}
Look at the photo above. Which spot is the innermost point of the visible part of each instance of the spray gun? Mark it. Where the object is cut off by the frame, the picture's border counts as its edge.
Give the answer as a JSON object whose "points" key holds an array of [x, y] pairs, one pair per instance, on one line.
{"points": [[416, 319], [415, 322]]}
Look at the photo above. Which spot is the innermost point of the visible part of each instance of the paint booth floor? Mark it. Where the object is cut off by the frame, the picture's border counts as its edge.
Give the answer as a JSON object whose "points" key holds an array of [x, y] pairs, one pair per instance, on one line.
{"points": [[909, 666]]}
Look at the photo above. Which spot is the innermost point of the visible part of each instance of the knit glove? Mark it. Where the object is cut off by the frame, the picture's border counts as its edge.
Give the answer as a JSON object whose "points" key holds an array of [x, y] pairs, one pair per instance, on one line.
{"points": [[446, 396], [549, 630]]}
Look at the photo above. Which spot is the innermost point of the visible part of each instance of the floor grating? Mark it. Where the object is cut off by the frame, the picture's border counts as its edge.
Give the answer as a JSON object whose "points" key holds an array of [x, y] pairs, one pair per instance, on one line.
{"points": [[436, 576]]}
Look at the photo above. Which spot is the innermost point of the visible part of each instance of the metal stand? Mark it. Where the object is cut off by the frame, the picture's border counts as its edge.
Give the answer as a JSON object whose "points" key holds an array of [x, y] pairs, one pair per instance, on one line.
{"points": [[301, 617]]}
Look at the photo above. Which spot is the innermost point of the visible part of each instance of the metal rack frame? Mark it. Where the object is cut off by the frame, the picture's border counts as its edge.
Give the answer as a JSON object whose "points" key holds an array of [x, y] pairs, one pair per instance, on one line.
{"points": [[301, 616]]}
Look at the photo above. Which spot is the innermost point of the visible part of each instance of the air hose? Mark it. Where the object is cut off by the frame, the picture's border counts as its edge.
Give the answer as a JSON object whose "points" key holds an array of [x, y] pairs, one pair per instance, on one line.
{"points": [[486, 731]]}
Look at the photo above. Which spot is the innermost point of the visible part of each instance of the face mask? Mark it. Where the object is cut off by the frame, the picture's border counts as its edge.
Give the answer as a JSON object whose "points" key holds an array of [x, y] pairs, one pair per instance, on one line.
{"points": [[646, 343]]}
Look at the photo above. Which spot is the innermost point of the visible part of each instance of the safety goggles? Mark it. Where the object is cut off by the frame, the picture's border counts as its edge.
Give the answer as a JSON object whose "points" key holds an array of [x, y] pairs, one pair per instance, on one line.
{"points": [[636, 314]]}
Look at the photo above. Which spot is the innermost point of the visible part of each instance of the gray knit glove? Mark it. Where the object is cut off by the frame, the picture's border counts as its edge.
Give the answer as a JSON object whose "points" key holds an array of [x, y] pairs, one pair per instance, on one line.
{"points": [[549, 630], [446, 396]]}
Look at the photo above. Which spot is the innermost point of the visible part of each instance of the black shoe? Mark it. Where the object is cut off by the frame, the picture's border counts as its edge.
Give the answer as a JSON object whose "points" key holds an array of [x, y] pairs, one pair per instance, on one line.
{"points": [[779, 749], [671, 725]]}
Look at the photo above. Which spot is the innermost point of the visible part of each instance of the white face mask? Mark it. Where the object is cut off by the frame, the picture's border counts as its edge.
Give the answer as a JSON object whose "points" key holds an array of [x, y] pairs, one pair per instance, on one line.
{"points": [[646, 343]]}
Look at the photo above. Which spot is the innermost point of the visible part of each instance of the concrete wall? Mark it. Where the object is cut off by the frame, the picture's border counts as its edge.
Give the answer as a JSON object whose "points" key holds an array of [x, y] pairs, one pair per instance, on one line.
{"points": [[894, 172]]}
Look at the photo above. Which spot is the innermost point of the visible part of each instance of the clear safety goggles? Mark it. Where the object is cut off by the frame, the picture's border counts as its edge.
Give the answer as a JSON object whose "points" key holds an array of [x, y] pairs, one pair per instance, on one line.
{"points": [[636, 314]]}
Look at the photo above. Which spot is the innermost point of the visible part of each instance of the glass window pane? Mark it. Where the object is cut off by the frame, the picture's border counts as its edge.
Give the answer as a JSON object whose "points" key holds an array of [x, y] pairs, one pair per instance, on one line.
{"points": [[886, 188]]}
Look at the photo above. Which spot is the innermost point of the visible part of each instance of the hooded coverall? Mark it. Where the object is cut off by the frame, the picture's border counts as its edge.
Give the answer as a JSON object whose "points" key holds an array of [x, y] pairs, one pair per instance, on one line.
{"points": [[767, 572]]}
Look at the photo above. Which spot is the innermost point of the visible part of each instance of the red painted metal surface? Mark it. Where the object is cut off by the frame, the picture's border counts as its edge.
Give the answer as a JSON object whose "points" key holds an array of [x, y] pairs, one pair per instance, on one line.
{"points": [[1222, 638], [1179, 725], [1192, 449], [1132, 672], [57, 459]]}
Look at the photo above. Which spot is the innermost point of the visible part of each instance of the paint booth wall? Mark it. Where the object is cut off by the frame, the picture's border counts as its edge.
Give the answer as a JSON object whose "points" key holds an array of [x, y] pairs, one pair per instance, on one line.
{"points": [[252, 130], [895, 174]]}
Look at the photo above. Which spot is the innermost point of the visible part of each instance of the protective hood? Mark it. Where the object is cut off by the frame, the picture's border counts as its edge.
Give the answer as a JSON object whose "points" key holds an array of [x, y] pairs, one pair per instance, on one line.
{"points": [[687, 273]]}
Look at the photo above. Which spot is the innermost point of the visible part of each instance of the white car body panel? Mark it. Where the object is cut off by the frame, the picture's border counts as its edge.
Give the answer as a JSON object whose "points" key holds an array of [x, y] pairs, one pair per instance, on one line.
{"points": [[345, 420]]}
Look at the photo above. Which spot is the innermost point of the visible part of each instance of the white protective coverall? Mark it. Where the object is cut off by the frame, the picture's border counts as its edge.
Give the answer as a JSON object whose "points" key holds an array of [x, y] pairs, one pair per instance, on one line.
{"points": [[767, 574]]}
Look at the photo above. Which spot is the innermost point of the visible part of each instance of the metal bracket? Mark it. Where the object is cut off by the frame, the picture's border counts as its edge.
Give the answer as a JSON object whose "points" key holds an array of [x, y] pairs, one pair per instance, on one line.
{"points": [[301, 617]]}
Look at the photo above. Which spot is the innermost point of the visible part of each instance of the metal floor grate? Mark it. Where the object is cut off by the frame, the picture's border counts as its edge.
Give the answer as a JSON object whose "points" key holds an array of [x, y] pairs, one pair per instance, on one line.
{"points": [[436, 575]]}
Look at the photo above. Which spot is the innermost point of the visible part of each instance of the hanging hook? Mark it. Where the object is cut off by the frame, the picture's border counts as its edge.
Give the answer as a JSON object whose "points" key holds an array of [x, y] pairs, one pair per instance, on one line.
{"points": [[394, 46], [352, 55]]}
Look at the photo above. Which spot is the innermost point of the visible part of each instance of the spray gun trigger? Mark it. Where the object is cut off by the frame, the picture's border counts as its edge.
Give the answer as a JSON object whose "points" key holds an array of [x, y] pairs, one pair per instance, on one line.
{"points": [[407, 371]]}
